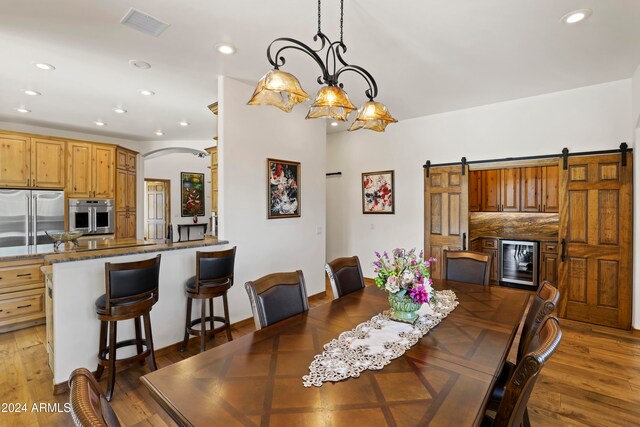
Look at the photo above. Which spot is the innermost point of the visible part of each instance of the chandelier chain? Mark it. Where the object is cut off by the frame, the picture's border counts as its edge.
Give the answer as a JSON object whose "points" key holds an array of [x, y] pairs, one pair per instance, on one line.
{"points": [[319, 16], [341, 18]]}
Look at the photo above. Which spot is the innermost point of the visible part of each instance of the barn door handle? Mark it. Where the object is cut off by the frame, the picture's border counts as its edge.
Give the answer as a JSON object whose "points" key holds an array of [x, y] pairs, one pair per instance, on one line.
{"points": [[464, 241], [563, 255]]}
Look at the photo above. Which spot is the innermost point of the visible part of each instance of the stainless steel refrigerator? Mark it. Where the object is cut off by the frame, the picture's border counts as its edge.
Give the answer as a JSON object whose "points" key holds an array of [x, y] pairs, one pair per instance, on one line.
{"points": [[26, 214]]}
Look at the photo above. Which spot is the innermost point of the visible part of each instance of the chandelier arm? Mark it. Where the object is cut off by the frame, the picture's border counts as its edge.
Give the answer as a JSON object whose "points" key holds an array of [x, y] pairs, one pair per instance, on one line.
{"points": [[372, 92], [279, 61]]}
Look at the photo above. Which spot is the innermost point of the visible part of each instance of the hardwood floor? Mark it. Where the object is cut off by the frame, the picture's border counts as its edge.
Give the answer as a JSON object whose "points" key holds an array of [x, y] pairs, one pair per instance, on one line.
{"points": [[593, 379]]}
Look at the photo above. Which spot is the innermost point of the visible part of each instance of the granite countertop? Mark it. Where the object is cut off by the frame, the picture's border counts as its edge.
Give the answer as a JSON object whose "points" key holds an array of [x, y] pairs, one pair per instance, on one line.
{"points": [[26, 252], [130, 249]]}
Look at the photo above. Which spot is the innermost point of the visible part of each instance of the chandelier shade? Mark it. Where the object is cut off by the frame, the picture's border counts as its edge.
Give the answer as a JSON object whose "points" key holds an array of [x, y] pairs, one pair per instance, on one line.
{"points": [[283, 90], [373, 116], [280, 89], [331, 102]]}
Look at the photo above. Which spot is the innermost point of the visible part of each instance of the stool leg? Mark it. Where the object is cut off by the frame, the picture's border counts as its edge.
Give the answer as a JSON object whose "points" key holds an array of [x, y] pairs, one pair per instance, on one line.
{"points": [[203, 325], [227, 321], [101, 347], [112, 359], [138, 337], [149, 338], [187, 325], [211, 314]]}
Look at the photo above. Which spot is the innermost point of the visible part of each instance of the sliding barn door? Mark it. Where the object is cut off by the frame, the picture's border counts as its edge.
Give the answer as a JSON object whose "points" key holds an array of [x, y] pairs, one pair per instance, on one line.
{"points": [[446, 212], [595, 235]]}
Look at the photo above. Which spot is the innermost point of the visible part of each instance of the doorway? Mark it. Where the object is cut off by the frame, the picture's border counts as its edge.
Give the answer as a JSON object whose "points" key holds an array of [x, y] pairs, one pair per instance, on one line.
{"points": [[157, 208]]}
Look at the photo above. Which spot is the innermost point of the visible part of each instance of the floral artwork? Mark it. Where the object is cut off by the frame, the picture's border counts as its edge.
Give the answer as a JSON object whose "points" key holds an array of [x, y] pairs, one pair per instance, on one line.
{"points": [[405, 273], [377, 193], [283, 189], [192, 195]]}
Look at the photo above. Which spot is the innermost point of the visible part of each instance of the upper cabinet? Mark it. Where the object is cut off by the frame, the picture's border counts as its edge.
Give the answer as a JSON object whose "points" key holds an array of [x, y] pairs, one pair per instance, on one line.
{"points": [[529, 189], [126, 180], [31, 162], [91, 170]]}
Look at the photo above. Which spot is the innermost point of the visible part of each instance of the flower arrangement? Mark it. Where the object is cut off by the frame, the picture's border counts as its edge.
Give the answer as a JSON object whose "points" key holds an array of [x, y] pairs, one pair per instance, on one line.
{"points": [[405, 274]]}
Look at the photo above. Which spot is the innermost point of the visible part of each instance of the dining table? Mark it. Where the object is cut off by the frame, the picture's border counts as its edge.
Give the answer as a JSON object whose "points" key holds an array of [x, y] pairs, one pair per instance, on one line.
{"points": [[445, 379]]}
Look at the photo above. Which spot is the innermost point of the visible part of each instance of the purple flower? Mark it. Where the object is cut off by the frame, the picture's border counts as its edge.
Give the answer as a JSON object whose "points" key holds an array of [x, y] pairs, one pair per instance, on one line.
{"points": [[377, 254], [378, 264], [419, 294], [386, 255]]}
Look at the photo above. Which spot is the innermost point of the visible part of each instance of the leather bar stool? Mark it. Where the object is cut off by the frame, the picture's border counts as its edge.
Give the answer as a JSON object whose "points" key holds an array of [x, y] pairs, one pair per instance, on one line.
{"points": [[131, 292], [214, 277]]}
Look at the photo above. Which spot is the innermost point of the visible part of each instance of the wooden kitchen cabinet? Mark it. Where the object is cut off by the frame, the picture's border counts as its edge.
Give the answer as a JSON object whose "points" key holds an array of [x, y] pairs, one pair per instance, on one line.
{"points": [[490, 246], [126, 181], [126, 225], [31, 162], [475, 191], [510, 190], [15, 161], [550, 194], [90, 170], [490, 190], [531, 191], [549, 263], [21, 294]]}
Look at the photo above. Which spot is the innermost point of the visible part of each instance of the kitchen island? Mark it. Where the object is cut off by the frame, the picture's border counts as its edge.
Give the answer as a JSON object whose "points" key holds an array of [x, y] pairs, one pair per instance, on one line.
{"points": [[75, 279]]}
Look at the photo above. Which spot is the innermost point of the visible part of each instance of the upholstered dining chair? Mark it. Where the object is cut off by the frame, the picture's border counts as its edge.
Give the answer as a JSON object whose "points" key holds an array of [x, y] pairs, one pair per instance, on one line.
{"points": [[276, 297], [512, 411], [543, 304], [345, 275], [89, 407], [467, 266]]}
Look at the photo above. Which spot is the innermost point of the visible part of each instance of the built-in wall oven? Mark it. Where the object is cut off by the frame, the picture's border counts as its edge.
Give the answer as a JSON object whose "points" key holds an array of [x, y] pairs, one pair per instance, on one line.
{"points": [[518, 261], [91, 216]]}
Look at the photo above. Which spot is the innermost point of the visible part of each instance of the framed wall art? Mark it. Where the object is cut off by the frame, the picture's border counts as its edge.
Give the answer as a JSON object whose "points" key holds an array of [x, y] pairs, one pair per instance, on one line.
{"points": [[378, 193], [192, 194], [283, 189]]}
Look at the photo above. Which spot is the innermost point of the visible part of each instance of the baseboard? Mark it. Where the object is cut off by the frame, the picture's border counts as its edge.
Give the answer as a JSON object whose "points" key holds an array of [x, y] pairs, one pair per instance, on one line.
{"points": [[635, 332]]}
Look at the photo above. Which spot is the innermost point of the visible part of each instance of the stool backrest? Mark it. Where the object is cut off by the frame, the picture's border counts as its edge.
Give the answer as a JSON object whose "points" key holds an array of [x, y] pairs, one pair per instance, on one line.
{"points": [[345, 275], [132, 281], [213, 267], [276, 297], [518, 390], [467, 266], [544, 303], [89, 407]]}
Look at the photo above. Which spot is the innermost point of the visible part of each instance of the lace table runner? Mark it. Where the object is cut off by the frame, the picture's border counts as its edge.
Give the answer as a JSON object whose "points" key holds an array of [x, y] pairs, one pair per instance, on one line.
{"points": [[374, 343]]}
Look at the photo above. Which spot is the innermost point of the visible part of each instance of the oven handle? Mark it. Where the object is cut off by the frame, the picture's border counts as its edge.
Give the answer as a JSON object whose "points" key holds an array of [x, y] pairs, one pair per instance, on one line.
{"points": [[91, 219], [563, 254]]}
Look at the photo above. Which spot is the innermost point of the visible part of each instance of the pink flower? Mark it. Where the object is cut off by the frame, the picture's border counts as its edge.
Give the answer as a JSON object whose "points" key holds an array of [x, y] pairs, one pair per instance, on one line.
{"points": [[419, 294], [392, 284]]}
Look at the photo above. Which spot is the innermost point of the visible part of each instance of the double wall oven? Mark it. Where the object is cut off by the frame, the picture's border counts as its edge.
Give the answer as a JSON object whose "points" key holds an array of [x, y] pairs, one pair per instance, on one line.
{"points": [[518, 263], [91, 216]]}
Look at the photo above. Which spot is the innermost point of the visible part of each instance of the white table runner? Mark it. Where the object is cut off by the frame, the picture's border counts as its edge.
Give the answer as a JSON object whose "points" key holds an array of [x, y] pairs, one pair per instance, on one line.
{"points": [[375, 343]]}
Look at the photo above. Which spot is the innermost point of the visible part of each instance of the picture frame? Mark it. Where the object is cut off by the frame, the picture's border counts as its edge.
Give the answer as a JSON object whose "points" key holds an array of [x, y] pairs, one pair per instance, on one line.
{"points": [[192, 196], [283, 189], [378, 192]]}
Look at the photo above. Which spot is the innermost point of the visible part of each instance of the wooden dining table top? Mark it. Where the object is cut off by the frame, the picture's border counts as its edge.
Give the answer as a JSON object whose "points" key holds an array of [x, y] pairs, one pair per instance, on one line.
{"points": [[256, 380]]}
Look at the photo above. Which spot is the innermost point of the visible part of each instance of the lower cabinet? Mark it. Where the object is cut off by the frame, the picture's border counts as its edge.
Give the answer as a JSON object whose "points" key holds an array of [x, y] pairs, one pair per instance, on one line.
{"points": [[21, 294], [126, 225], [549, 263], [488, 246]]}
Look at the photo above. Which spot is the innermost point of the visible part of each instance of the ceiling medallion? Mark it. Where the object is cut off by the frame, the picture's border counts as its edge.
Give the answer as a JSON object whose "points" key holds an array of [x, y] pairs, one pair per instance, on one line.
{"points": [[283, 90]]}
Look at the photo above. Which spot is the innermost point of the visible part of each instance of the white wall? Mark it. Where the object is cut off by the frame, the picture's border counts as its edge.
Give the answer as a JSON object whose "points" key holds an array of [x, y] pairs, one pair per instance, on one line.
{"points": [[589, 118], [169, 167], [248, 136]]}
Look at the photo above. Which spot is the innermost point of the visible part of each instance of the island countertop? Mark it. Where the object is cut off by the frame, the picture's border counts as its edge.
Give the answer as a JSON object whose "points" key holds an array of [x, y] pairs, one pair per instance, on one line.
{"points": [[132, 248]]}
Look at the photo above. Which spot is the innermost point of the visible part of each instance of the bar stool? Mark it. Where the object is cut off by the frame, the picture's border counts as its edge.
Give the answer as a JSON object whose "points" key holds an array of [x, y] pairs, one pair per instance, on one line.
{"points": [[131, 291], [214, 277]]}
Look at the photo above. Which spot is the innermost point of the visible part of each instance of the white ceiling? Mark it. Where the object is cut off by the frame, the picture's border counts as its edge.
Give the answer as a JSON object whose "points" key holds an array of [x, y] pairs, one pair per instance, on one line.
{"points": [[428, 56]]}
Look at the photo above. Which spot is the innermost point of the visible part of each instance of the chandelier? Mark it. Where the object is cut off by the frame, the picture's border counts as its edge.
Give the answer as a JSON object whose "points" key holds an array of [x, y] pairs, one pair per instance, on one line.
{"points": [[283, 90]]}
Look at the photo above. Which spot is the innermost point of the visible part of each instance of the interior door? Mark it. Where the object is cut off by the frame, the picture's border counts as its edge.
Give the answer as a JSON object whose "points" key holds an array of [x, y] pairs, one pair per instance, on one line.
{"points": [[446, 212], [595, 234], [155, 220]]}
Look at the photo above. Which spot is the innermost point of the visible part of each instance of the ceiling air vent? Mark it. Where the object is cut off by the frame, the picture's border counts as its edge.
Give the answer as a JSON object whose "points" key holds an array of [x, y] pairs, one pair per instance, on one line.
{"points": [[144, 23]]}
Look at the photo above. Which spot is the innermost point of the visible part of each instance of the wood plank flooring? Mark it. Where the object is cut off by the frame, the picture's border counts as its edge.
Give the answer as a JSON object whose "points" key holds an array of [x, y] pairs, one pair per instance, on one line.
{"points": [[593, 379]]}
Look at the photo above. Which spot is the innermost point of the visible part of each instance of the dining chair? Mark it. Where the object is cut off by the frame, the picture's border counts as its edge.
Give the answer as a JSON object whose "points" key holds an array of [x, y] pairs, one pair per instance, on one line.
{"points": [[276, 297], [345, 275], [467, 266], [512, 411], [544, 303], [89, 407]]}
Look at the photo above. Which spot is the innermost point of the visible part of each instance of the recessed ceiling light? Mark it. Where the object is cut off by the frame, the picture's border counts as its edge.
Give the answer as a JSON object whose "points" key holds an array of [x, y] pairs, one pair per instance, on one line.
{"points": [[31, 92], [43, 66], [99, 123], [334, 124], [23, 110], [159, 133], [225, 49], [576, 16], [140, 64], [184, 123], [146, 92], [119, 110]]}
